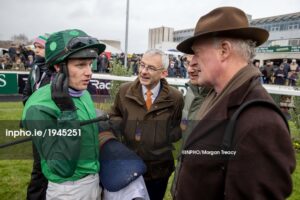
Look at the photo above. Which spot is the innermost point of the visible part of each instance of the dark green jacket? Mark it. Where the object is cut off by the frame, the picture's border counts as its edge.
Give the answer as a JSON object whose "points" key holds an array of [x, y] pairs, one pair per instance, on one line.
{"points": [[192, 102], [73, 152]]}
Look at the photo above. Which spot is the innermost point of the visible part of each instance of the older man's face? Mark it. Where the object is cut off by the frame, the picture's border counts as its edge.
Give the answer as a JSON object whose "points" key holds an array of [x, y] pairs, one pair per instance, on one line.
{"points": [[191, 69], [151, 70], [206, 61]]}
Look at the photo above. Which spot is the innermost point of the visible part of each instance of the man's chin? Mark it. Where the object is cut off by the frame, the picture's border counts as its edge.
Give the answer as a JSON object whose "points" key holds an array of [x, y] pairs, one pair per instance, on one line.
{"points": [[144, 82], [80, 88], [194, 82]]}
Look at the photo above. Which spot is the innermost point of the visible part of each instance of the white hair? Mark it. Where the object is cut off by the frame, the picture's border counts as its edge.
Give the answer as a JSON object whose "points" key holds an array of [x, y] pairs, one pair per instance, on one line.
{"points": [[164, 57], [245, 48]]}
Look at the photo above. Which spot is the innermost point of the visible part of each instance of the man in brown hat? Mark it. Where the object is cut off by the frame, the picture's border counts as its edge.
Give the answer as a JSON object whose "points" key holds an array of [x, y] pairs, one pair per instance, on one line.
{"points": [[259, 158]]}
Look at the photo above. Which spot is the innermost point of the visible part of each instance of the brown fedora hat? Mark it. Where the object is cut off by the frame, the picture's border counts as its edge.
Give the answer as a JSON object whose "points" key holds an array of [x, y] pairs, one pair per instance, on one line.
{"points": [[224, 22]]}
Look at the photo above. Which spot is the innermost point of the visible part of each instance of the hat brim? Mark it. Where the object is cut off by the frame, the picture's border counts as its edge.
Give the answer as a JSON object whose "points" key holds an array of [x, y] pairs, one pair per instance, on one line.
{"points": [[258, 35], [85, 53]]}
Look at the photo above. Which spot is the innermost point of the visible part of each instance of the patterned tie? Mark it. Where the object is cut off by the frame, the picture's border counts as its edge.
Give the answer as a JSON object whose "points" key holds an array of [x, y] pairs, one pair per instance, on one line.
{"points": [[148, 99]]}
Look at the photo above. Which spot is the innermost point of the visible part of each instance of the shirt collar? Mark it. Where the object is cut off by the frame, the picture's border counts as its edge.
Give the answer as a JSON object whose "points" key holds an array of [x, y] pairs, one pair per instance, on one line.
{"points": [[154, 91]]}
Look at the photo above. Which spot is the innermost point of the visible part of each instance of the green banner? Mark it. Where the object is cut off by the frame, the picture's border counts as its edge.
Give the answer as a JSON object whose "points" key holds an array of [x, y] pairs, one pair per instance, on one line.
{"points": [[278, 49], [8, 83]]}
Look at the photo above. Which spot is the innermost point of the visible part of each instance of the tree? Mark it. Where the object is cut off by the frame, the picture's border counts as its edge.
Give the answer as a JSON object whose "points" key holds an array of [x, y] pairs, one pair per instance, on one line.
{"points": [[119, 70], [21, 38]]}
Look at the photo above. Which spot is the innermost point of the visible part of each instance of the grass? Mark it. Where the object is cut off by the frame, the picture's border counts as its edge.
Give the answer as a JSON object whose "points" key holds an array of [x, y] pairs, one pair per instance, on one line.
{"points": [[15, 173], [296, 180]]}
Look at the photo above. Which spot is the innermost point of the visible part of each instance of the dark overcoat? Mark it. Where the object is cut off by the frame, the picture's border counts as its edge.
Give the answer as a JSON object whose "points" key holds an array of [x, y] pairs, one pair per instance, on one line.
{"points": [[264, 160]]}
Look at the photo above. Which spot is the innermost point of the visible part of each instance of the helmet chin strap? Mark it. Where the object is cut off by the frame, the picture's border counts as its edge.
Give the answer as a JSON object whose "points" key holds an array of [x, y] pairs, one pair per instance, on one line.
{"points": [[72, 91], [63, 67]]}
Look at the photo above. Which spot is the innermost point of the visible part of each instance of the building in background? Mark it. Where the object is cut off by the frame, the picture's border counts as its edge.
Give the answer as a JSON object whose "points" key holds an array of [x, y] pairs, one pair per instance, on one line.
{"points": [[114, 43], [112, 46], [160, 35], [283, 42], [284, 29], [183, 34]]}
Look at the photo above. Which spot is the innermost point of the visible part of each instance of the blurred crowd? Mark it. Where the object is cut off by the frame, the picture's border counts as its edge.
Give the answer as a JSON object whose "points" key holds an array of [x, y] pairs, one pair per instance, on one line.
{"points": [[21, 57], [18, 57], [177, 64], [286, 73]]}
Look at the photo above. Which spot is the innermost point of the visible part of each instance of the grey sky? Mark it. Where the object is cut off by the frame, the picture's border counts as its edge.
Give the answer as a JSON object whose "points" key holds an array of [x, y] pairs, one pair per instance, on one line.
{"points": [[105, 19]]}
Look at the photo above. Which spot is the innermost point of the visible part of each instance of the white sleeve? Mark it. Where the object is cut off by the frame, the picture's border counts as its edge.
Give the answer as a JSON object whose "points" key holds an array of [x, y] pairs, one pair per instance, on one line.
{"points": [[136, 189]]}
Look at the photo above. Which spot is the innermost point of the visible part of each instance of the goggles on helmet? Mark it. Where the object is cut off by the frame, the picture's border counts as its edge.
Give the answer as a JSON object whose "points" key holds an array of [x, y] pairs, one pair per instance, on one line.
{"points": [[79, 42]]}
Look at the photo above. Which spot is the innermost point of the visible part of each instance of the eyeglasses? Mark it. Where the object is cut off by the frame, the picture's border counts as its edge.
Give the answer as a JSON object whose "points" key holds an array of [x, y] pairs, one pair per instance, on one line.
{"points": [[149, 68], [79, 42]]}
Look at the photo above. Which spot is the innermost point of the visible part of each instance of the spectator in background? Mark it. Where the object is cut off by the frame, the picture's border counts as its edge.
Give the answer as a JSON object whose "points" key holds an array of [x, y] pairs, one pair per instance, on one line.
{"points": [[293, 65], [18, 64], [293, 74], [280, 75], [20, 53], [122, 58], [7, 61], [39, 76], [5, 64], [256, 64], [29, 63], [193, 99], [12, 52], [176, 66], [135, 64], [268, 72], [30, 52], [102, 63], [293, 78], [275, 67], [23, 52], [172, 70], [286, 66], [2, 63], [129, 62], [182, 68]]}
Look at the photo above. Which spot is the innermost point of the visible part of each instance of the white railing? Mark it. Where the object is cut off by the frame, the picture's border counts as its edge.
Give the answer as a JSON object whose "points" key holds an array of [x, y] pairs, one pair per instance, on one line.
{"points": [[272, 89]]}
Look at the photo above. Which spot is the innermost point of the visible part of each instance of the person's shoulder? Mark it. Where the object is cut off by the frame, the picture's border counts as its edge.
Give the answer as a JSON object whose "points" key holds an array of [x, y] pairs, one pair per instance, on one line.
{"points": [[174, 90], [42, 93], [86, 96], [260, 114], [259, 92], [175, 93], [42, 96], [40, 103], [86, 93], [125, 86]]}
